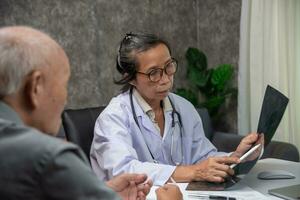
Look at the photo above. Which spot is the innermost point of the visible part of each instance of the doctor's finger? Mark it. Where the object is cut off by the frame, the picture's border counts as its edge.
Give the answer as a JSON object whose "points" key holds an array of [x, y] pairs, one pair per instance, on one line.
{"points": [[225, 168], [215, 178], [261, 139], [227, 160], [250, 138], [220, 173]]}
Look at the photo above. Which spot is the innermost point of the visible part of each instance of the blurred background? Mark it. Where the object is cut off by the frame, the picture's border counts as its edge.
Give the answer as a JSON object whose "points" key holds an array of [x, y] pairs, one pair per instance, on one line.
{"points": [[259, 40], [90, 32]]}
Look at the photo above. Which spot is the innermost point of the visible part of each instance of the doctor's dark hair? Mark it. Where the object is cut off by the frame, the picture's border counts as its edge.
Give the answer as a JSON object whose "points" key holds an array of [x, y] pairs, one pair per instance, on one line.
{"points": [[130, 46]]}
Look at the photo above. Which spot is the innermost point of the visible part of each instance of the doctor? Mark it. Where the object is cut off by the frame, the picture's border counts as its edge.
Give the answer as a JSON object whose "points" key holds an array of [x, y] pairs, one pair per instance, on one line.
{"points": [[148, 129]]}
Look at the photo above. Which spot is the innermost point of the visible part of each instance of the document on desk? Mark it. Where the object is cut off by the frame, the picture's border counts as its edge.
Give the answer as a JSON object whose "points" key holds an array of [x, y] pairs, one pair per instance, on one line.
{"points": [[239, 192], [182, 187], [242, 192]]}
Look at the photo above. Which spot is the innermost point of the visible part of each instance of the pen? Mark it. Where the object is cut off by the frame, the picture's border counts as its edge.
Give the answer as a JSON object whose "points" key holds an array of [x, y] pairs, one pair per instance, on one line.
{"points": [[213, 197], [249, 152], [217, 197], [173, 181], [147, 180]]}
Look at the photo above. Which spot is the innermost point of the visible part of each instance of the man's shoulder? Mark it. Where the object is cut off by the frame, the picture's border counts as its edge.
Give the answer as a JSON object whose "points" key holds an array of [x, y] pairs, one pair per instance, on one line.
{"points": [[27, 153], [34, 161], [30, 143]]}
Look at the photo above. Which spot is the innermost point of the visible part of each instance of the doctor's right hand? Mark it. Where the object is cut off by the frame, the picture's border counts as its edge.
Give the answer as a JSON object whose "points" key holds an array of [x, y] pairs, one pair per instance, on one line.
{"points": [[168, 191], [213, 169]]}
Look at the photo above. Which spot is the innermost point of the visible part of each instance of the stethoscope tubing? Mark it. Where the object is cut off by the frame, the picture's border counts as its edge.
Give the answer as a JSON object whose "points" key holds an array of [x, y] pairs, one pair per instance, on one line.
{"points": [[173, 127]]}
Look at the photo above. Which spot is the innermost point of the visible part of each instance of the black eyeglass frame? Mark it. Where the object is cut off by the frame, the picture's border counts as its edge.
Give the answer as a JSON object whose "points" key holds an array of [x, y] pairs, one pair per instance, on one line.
{"points": [[161, 70]]}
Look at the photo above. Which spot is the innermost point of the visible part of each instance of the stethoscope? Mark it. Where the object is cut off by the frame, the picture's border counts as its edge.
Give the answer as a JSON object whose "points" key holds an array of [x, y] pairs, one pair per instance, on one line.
{"points": [[174, 111]]}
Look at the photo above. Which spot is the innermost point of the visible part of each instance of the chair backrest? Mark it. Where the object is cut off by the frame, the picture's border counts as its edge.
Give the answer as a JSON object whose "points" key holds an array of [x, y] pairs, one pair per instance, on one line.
{"points": [[206, 122], [79, 125]]}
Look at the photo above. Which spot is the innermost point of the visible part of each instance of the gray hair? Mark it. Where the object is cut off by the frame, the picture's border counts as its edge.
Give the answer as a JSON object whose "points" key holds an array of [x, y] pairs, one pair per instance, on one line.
{"points": [[22, 49], [132, 44]]}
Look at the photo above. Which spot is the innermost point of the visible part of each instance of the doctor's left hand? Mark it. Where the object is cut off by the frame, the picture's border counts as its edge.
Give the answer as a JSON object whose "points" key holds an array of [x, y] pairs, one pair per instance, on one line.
{"points": [[247, 142], [130, 186]]}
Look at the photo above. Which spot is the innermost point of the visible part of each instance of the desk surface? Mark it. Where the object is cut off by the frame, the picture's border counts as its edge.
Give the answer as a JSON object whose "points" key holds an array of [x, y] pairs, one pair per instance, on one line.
{"points": [[263, 186], [256, 184]]}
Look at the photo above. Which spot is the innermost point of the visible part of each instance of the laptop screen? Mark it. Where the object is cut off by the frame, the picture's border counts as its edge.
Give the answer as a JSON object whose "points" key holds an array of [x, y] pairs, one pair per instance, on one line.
{"points": [[289, 192]]}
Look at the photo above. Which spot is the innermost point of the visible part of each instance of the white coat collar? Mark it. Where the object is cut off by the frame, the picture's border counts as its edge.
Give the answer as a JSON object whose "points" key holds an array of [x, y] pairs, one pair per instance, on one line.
{"points": [[146, 107]]}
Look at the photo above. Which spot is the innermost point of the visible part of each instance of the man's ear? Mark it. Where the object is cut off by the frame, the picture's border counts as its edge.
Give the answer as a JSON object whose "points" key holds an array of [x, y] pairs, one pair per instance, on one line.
{"points": [[34, 88]]}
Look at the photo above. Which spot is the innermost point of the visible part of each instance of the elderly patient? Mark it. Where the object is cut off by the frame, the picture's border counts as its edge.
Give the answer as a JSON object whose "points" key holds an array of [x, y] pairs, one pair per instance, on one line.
{"points": [[34, 72]]}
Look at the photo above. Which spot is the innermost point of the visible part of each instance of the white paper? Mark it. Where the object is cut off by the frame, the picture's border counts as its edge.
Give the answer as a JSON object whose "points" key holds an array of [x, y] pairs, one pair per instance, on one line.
{"points": [[245, 194], [242, 192]]}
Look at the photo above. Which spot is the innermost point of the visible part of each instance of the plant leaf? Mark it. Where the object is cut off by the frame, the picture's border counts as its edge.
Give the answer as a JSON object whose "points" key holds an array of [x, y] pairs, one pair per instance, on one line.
{"points": [[221, 75], [198, 78], [213, 104], [196, 58], [189, 95], [213, 83]]}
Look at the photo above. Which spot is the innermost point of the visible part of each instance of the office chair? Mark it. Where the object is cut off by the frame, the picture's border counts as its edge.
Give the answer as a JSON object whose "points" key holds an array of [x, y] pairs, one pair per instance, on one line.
{"points": [[78, 125]]}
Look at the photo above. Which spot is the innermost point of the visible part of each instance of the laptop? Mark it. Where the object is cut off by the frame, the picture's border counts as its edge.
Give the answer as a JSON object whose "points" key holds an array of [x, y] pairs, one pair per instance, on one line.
{"points": [[289, 192], [273, 108]]}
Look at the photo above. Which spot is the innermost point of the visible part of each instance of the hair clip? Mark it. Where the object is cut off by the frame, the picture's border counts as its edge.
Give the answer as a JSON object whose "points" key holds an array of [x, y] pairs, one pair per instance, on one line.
{"points": [[128, 36]]}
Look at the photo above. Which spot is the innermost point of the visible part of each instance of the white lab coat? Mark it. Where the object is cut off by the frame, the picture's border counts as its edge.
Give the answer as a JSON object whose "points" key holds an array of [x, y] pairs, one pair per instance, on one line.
{"points": [[119, 145]]}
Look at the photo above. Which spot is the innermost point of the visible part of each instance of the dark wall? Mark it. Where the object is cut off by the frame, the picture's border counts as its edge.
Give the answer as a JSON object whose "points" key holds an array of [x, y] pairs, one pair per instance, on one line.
{"points": [[90, 30]]}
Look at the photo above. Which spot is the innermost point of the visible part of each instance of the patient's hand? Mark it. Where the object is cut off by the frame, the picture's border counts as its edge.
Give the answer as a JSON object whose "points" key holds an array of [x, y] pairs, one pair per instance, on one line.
{"points": [[168, 191], [130, 186]]}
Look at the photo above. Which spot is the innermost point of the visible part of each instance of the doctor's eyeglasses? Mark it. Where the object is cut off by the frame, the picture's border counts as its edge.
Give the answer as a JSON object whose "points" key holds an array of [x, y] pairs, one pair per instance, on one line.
{"points": [[156, 74]]}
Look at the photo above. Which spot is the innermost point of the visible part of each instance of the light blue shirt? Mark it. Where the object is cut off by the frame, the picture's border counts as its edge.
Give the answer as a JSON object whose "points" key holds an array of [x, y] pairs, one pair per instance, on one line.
{"points": [[120, 146]]}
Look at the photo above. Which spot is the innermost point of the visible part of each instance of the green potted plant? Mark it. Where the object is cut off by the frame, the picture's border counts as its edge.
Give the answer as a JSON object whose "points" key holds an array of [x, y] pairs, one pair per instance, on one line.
{"points": [[208, 88]]}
